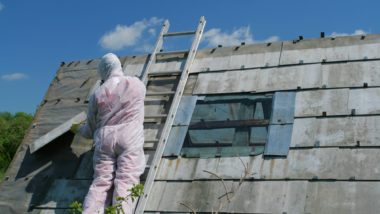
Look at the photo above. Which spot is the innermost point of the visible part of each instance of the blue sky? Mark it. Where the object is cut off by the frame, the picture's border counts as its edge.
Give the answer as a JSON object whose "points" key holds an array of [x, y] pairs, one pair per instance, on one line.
{"points": [[35, 36]]}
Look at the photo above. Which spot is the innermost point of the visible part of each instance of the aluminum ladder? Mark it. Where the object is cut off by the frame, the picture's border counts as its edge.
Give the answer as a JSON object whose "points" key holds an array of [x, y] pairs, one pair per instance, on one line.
{"points": [[184, 74]]}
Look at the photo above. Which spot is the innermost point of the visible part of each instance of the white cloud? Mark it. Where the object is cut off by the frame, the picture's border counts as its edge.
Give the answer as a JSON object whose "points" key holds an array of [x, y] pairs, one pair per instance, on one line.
{"points": [[1, 6], [127, 36], [215, 36], [152, 31], [356, 33], [13, 76]]}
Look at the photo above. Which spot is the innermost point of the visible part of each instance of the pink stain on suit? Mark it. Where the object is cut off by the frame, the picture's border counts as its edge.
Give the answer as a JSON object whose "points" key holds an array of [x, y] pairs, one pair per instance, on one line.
{"points": [[115, 120]]}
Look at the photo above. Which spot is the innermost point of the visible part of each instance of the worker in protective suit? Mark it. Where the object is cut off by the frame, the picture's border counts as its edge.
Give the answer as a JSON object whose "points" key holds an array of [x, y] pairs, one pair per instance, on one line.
{"points": [[115, 121]]}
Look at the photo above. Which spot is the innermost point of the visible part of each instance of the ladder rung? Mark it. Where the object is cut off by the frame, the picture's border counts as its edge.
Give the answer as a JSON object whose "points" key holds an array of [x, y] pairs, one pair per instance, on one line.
{"points": [[173, 52], [150, 145], [179, 33], [165, 73], [156, 99], [156, 116], [151, 141], [160, 93]]}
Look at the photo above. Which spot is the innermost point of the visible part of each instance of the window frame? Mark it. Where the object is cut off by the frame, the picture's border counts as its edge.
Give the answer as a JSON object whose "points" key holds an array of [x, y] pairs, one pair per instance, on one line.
{"points": [[231, 149]]}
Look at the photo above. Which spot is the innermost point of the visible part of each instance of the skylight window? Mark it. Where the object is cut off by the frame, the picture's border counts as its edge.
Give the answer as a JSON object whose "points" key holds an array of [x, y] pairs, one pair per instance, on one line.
{"points": [[228, 125]]}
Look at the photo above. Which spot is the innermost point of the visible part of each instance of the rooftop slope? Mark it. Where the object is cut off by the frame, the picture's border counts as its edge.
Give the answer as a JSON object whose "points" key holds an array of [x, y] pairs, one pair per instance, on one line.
{"points": [[333, 153]]}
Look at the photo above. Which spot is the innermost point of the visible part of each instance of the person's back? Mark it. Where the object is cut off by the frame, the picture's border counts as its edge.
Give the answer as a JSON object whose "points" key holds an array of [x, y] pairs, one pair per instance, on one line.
{"points": [[120, 100], [115, 121]]}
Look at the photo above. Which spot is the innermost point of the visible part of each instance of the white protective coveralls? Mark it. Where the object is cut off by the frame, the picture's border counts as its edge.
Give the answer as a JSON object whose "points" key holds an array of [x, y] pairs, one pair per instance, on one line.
{"points": [[115, 121]]}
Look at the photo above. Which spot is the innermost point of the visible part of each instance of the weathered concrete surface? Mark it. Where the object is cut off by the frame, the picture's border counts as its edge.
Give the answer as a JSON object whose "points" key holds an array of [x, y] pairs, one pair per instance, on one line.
{"points": [[335, 102], [326, 163], [267, 197], [345, 131]]}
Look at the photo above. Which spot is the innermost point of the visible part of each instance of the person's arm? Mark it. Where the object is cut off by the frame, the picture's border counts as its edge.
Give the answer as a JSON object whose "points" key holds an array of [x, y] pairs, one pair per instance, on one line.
{"points": [[87, 130]]}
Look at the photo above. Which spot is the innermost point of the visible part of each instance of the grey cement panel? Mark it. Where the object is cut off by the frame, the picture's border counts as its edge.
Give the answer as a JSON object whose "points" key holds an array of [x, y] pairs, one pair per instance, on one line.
{"points": [[31, 175], [339, 49], [264, 59], [343, 197], [167, 66], [56, 132], [152, 131], [259, 80], [190, 84], [135, 59], [10, 193], [158, 188], [162, 84], [59, 112], [251, 197], [51, 211], [240, 50], [337, 41], [155, 107], [338, 102], [365, 101], [85, 168], [210, 64], [93, 89], [314, 103], [346, 131], [271, 197], [367, 131], [327, 163], [351, 74], [72, 85], [315, 55], [232, 62], [134, 69], [211, 83], [285, 78], [330, 54], [364, 51], [53, 114], [265, 197], [81, 65], [228, 82], [149, 157], [63, 192]]}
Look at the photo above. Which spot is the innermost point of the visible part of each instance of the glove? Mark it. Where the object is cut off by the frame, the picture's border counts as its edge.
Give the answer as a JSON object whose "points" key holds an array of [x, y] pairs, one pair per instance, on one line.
{"points": [[75, 128]]}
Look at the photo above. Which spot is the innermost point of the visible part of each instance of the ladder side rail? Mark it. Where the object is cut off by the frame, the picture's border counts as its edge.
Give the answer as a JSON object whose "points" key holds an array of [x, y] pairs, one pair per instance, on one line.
{"points": [[169, 122], [158, 46]]}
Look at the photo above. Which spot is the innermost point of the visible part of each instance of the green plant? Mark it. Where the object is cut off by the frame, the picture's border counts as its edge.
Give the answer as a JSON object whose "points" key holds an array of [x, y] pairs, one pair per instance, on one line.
{"points": [[136, 191], [76, 208], [12, 131]]}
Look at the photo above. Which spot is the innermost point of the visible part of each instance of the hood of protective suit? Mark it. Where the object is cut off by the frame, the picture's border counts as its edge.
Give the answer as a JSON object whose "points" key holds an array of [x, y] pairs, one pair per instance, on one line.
{"points": [[109, 66]]}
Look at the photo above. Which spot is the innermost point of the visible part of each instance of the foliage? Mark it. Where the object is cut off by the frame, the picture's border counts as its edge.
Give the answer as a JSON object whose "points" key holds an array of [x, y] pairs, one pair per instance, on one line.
{"points": [[136, 191], [76, 208], [12, 131]]}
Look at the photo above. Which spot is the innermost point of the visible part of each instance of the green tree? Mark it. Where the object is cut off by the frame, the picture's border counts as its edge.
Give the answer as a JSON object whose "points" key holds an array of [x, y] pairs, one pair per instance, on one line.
{"points": [[12, 131]]}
